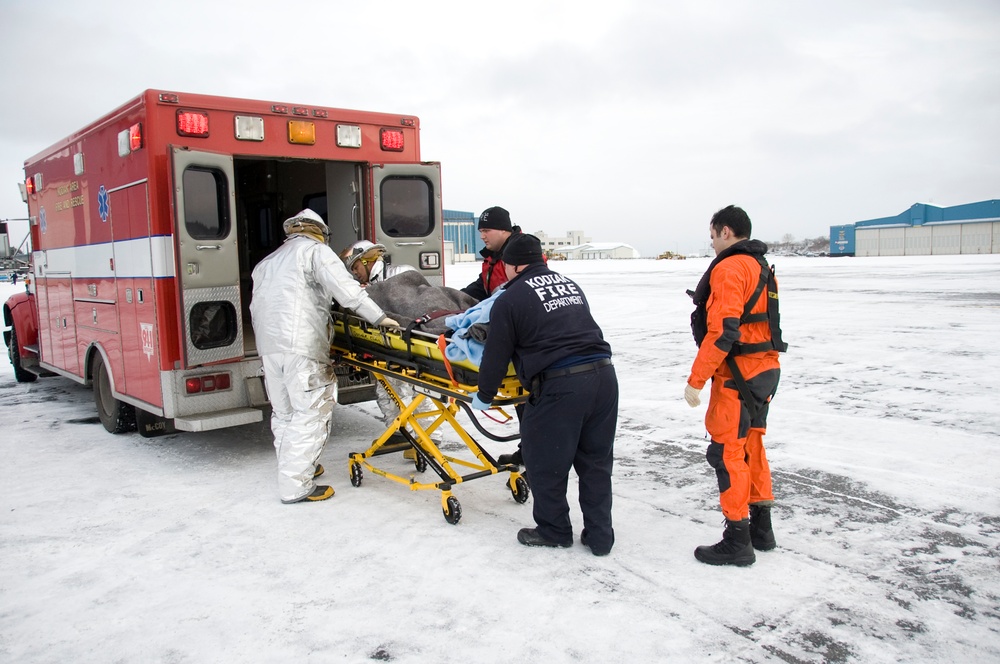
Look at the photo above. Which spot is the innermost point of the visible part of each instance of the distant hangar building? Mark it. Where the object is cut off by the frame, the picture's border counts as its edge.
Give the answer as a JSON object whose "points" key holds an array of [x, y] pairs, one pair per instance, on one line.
{"points": [[923, 230], [462, 242], [460, 230]]}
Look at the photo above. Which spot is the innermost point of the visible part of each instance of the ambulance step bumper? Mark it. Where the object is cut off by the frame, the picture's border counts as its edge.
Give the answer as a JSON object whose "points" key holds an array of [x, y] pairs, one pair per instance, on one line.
{"points": [[219, 420]]}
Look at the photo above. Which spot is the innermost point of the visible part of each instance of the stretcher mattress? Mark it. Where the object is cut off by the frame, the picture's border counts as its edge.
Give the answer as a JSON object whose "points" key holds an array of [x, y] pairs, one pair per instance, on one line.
{"points": [[415, 356]]}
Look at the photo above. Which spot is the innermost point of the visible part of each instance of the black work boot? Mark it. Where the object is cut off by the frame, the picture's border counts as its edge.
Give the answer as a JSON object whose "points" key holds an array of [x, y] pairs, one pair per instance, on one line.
{"points": [[734, 549], [514, 458], [761, 533]]}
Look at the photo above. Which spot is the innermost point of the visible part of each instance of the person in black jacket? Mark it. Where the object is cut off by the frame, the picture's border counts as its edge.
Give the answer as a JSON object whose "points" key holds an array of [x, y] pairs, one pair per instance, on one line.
{"points": [[495, 230], [542, 322]]}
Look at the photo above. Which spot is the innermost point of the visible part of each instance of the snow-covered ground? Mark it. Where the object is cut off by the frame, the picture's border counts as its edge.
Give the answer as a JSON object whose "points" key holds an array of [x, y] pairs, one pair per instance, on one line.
{"points": [[883, 439]]}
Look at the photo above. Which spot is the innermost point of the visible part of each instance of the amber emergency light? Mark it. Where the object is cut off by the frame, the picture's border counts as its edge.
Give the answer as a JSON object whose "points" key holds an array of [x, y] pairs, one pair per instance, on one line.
{"points": [[301, 132]]}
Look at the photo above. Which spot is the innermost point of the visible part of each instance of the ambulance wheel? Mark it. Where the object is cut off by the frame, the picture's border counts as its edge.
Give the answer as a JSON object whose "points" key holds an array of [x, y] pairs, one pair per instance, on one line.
{"points": [[21, 374], [356, 474], [117, 417], [453, 512], [519, 490], [420, 463]]}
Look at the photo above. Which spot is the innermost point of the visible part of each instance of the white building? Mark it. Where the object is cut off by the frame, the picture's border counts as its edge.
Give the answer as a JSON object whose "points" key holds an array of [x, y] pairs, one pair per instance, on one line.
{"points": [[571, 239], [598, 251]]}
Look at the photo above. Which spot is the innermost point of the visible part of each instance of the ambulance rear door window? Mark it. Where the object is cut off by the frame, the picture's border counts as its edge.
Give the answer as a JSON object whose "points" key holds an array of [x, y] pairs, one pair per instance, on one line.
{"points": [[206, 215], [407, 207]]}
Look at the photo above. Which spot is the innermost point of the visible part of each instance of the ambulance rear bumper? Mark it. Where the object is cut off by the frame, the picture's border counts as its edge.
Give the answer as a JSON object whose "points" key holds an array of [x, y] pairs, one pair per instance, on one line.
{"points": [[218, 420]]}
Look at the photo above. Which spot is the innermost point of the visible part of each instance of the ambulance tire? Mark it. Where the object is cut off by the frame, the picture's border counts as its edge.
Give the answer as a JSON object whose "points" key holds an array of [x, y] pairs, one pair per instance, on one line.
{"points": [[21, 374], [117, 417]]}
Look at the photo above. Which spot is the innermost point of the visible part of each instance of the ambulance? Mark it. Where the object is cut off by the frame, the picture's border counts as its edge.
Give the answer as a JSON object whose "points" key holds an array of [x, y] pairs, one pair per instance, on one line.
{"points": [[146, 224]]}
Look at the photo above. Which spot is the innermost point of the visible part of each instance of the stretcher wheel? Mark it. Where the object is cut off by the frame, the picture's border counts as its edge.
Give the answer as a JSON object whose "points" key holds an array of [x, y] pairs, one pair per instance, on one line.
{"points": [[453, 512], [356, 474], [420, 463], [519, 490]]}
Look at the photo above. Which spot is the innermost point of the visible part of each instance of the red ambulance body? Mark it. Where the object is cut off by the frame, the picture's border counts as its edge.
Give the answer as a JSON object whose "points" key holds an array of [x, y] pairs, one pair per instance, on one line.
{"points": [[146, 225]]}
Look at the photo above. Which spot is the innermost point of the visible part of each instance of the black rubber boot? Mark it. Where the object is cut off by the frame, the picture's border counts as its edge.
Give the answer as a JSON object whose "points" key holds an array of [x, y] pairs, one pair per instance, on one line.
{"points": [[761, 533], [513, 458], [734, 549]]}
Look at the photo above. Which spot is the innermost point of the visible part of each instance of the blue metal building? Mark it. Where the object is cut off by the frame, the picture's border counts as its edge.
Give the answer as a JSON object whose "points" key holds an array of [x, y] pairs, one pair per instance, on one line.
{"points": [[924, 229], [460, 229]]}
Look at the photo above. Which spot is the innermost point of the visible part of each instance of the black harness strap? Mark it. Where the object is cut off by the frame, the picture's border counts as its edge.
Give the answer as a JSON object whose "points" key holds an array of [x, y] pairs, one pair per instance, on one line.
{"points": [[426, 318], [775, 343], [770, 316]]}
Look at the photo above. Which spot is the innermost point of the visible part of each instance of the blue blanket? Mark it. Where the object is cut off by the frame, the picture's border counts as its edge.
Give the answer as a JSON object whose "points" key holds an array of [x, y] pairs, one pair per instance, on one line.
{"points": [[463, 345]]}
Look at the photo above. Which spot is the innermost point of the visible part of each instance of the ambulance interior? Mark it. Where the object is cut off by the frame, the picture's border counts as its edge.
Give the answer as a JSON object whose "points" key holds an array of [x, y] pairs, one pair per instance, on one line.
{"points": [[268, 191]]}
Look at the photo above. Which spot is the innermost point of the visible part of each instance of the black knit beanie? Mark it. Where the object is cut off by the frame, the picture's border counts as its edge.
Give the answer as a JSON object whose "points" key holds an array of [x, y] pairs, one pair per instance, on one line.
{"points": [[523, 249], [496, 218]]}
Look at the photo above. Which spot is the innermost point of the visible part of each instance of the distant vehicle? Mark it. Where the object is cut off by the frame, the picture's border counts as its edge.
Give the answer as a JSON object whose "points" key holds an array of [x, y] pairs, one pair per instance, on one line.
{"points": [[146, 225]]}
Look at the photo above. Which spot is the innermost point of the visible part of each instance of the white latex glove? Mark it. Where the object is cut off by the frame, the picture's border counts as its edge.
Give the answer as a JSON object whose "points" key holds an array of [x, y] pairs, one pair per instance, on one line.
{"points": [[691, 395], [389, 322]]}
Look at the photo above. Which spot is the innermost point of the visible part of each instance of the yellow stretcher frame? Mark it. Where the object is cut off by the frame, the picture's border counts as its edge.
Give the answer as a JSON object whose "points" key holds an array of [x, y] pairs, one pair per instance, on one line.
{"points": [[417, 359]]}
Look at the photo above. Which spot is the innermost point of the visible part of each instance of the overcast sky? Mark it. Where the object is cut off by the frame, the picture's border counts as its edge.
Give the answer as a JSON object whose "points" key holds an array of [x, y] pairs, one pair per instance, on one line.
{"points": [[632, 121]]}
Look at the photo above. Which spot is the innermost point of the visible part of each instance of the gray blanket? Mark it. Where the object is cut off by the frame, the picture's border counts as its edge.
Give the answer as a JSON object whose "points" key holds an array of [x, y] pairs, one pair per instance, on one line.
{"points": [[407, 296]]}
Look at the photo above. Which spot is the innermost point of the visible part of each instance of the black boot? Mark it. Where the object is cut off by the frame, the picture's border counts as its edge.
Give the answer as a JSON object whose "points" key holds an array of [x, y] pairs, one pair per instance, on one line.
{"points": [[734, 549], [513, 458], [761, 533]]}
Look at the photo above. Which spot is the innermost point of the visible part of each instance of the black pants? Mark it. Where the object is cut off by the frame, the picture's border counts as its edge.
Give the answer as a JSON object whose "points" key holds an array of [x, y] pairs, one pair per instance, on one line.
{"points": [[570, 422]]}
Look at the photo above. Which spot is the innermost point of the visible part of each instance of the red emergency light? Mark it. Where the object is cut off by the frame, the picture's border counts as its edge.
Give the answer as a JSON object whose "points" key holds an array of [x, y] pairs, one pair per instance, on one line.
{"points": [[135, 137], [192, 123], [211, 383], [391, 139], [29, 185]]}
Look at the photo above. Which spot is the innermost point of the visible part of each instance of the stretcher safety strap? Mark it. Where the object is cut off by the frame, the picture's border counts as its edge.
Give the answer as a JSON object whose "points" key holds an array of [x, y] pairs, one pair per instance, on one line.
{"points": [[442, 343]]}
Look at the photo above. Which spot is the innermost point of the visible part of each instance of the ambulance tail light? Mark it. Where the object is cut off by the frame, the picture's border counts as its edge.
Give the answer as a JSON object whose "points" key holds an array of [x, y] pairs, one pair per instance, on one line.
{"points": [[192, 123], [210, 383], [391, 140]]}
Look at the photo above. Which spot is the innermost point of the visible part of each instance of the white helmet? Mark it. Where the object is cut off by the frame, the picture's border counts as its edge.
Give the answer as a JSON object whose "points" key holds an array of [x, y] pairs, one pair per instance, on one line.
{"points": [[362, 250], [303, 221]]}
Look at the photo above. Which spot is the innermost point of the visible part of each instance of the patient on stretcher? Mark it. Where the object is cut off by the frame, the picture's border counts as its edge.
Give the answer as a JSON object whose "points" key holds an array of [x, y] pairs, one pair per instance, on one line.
{"points": [[409, 297]]}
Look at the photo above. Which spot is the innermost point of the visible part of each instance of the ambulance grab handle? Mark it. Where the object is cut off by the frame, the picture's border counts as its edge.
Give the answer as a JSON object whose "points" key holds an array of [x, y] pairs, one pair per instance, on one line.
{"points": [[199, 247]]}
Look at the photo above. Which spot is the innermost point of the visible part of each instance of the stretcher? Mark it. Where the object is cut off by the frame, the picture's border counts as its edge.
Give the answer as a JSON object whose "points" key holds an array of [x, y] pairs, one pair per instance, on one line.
{"points": [[441, 388]]}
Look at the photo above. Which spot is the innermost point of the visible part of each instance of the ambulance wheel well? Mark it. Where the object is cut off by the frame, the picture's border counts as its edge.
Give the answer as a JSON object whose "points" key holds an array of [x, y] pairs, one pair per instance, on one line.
{"points": [[90, 363], [115, 415]]}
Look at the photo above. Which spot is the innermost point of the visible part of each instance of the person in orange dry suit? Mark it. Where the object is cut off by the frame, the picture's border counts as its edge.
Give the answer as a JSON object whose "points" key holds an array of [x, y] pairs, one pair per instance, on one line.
{"points": [[732, 319]]}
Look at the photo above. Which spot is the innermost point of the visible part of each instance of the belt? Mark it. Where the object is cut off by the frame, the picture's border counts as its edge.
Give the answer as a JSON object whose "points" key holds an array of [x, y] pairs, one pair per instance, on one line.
{"points": [[576, 368]]}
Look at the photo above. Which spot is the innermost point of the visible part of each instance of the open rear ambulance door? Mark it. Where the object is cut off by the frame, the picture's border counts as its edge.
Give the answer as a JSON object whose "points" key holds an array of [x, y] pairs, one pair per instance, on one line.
{"points": [[407, 216], [208, 267]]}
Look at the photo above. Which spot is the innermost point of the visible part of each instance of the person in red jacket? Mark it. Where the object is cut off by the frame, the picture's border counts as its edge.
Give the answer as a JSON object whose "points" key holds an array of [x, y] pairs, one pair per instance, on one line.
{"points": [[495, 230], [736, 451]]}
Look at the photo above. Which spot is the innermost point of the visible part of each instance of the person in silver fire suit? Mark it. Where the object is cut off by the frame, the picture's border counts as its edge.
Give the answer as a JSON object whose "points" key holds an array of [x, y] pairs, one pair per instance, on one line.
{"points": [[366, 261], [293, 289]]}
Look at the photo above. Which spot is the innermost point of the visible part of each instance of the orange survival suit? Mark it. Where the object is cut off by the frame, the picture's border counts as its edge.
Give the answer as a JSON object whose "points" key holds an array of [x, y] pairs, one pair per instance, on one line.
{"points": [[735, 330]]}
